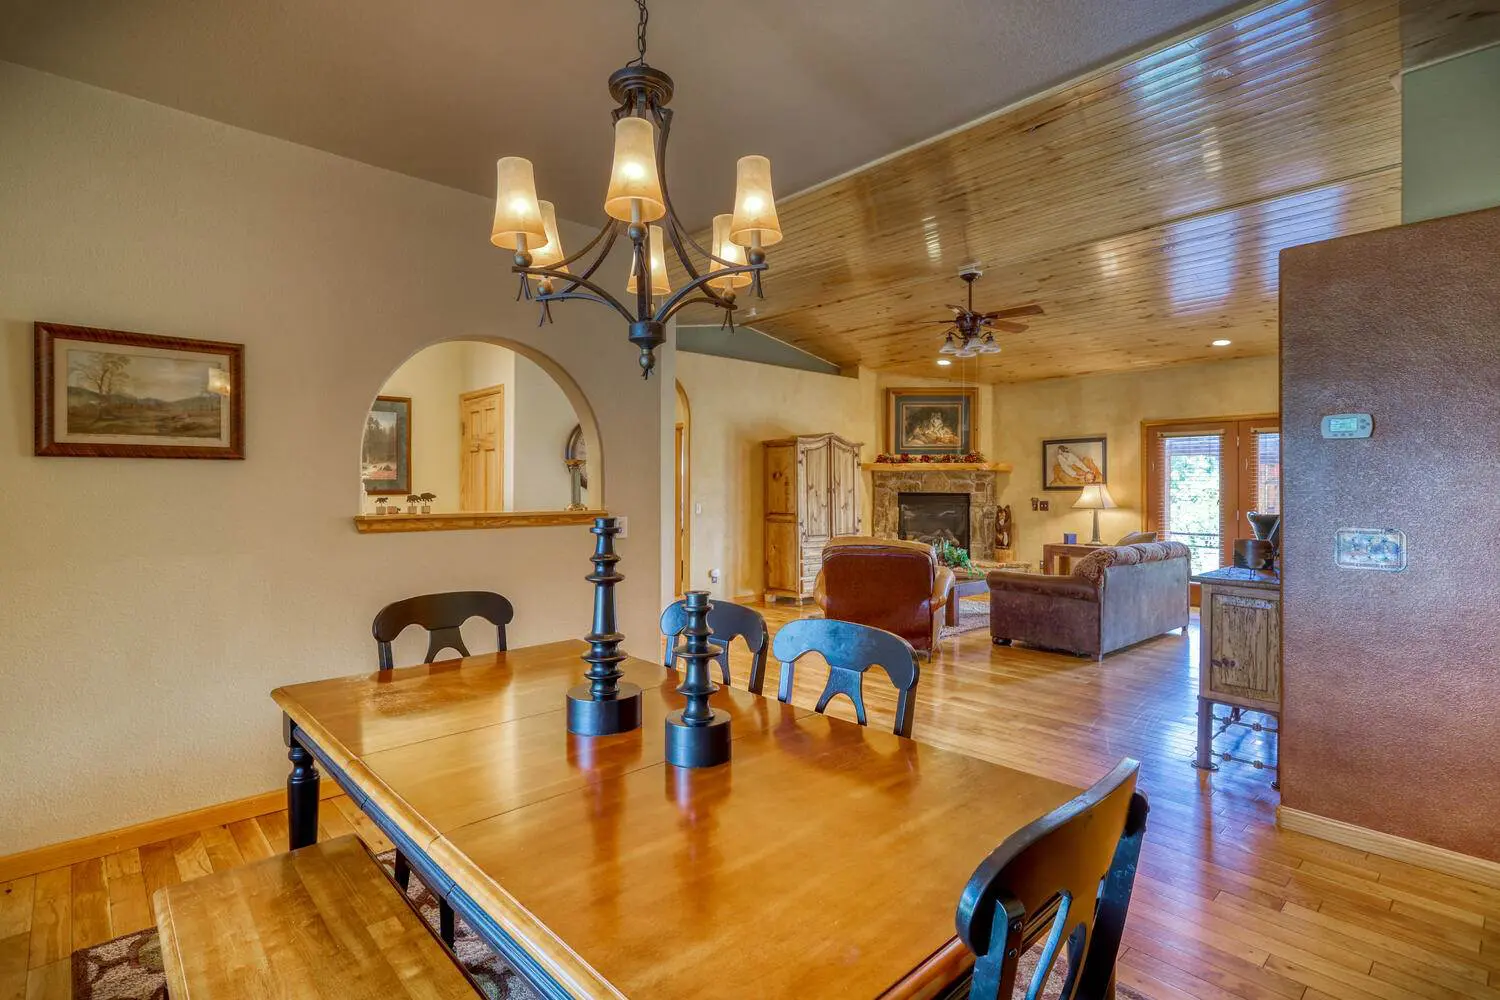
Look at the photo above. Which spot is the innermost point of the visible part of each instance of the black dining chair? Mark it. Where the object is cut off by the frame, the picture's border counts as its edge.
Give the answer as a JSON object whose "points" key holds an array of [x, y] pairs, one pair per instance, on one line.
{"points": [[728, 622], [442, 615], [1063, 879], [850, 650]]}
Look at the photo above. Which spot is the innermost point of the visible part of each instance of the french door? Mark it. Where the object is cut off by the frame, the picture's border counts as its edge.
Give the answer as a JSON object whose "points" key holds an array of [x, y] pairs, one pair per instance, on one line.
{"points": [[1204, 476]]}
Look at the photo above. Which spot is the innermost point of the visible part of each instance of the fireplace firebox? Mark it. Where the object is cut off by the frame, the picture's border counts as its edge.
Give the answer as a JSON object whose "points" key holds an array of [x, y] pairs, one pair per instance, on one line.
{"points": [[934, 517]]}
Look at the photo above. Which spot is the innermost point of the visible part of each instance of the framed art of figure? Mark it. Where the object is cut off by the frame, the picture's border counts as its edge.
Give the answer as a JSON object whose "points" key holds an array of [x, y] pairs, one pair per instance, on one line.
{"points": [[923, 421], [1073, 463], [113, 394], [385, 461]]}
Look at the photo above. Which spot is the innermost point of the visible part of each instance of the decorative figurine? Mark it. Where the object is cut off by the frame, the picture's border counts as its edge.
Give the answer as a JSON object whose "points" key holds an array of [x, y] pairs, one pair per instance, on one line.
{"points": [[698, 735], [1002, 527], [605, 705]]}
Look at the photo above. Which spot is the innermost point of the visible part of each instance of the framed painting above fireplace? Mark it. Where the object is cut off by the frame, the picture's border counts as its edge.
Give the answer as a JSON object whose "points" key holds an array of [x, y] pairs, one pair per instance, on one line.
{"points": [[927, 421]]}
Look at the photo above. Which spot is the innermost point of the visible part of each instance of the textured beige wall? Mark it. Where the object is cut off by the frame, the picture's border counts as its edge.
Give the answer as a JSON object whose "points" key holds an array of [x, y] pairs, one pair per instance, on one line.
{"points": [[735, 406], [148, 607], [1029, 412]]}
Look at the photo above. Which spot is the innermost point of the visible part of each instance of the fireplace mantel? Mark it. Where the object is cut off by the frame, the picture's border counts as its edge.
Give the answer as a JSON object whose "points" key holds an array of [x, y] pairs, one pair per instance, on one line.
{"points": [[979, 480]]}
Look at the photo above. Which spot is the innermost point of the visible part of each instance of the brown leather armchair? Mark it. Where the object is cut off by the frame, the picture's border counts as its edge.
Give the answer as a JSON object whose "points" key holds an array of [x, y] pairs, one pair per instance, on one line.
{"points": [[885, 583]]}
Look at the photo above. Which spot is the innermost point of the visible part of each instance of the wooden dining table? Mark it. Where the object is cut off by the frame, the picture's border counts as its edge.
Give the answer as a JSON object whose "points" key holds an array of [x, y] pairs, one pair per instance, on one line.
{"points": [[825, 859]]}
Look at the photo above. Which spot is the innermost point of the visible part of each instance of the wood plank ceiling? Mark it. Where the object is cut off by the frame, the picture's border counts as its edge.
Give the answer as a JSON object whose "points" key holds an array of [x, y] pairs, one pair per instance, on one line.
{"points": [[1142, 207]]}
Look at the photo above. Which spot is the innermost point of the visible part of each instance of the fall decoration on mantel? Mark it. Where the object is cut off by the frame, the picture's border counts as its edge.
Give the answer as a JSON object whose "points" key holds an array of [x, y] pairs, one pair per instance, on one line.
{"points": [[972, 458]]}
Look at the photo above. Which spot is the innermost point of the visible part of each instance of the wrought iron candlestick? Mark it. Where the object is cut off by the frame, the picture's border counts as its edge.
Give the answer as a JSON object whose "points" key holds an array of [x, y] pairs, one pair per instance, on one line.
{"points": [[698, 735], [605, 705]]}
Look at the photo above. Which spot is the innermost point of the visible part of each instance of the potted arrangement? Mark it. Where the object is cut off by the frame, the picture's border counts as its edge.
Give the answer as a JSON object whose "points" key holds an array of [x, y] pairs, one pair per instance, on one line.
{"points": [[411, 503], [380, 503], [953, 557], [427, 499]]}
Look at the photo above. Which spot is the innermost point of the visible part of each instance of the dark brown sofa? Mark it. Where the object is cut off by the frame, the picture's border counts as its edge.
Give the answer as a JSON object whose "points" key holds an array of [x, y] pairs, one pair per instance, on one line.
{"points": [[894, 585], [1115, 597]]}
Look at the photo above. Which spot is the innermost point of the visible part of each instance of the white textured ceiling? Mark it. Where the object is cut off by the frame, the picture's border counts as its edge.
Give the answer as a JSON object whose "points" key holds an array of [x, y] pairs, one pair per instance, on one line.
{"points": [[439, 88]]}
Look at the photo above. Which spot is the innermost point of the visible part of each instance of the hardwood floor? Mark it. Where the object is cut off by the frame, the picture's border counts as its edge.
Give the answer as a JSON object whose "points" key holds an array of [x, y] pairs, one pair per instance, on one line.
{"points": [[1225, 904]]}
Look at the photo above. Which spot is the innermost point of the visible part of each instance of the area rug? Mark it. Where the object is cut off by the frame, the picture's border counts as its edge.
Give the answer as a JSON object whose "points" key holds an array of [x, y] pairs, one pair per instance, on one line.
{"points": [[129, 967], [973, 615]]}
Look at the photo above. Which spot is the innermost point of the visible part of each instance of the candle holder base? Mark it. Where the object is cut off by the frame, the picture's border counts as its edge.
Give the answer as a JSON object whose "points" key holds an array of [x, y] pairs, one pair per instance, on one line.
{"points": [[698, 746], [588, 716]]}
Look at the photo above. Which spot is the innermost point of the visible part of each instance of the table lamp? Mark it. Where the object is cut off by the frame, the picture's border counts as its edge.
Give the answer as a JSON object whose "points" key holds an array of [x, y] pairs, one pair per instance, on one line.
{"points": [[1095, 498]]}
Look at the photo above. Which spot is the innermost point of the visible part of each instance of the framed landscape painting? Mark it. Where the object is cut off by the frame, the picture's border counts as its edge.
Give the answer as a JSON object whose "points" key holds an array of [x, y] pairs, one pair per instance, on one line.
{"points": [[385, 461], [929, 421], [1073, 463], [112, 394]]}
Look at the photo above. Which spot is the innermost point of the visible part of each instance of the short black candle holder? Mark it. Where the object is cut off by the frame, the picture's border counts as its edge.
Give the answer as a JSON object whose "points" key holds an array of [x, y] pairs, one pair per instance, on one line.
{"points": [[698, 735], [605, 705]]}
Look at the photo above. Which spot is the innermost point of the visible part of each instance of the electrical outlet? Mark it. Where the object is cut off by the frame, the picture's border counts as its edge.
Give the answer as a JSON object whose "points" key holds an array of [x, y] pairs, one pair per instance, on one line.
{"points": [[698, 509], [1046, 505], [1036, 503], [624, 523], [713, 576]]}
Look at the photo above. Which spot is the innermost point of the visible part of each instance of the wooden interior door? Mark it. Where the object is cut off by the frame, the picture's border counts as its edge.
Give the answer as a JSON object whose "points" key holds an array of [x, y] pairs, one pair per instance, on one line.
{"points": [[481, 473], [679, 457]]}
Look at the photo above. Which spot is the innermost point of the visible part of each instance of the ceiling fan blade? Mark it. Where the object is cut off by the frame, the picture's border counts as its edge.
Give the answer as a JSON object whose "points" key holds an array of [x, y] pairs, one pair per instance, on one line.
{"points": [[1008, 327], [1028, 310]]}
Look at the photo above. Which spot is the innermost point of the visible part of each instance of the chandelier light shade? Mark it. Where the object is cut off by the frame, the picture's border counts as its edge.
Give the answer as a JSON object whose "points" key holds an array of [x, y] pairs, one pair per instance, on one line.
{"points": [[518, 216], [660, 284], [635, 193], [755, 223], [730, 254], [549, 254], [638, 195]]}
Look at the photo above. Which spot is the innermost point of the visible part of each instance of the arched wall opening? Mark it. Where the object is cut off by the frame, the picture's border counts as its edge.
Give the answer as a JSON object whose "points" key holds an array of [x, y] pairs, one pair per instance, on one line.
{"points": [[479, 424]]}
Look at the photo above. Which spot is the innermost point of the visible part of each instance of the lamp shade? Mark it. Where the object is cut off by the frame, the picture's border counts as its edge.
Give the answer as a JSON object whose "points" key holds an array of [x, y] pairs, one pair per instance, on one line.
{"points": [[659, 283], [1095, 497], [551, 253], [725, 248], [633, 177], [517, 212], [754, 205]]}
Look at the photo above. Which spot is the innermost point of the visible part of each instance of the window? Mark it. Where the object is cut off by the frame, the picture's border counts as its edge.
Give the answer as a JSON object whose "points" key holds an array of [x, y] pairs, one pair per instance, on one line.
{"points": [[1204, 476]]}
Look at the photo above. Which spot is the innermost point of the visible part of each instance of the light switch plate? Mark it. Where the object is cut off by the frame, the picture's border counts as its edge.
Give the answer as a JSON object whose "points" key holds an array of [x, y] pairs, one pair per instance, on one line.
{"points": [[624, 523]]}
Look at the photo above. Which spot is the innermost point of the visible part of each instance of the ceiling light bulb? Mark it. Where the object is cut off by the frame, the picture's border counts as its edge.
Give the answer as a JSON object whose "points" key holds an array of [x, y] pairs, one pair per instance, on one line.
{"points": [[1222, 343], [944, 361], [948, 348]]}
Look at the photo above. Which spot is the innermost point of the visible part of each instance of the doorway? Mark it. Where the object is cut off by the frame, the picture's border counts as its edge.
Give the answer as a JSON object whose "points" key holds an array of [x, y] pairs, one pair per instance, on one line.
{"points": [[1203, 476], [481, 474]]}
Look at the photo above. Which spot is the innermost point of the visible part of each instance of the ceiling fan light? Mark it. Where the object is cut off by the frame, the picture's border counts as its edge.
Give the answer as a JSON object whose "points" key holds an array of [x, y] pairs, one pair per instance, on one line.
{"points": [[754, 204], [517, 213], [726, 249], [967, 352], [633, 177], [948, 348], [659, 283], [989, 347], [551, 253]]}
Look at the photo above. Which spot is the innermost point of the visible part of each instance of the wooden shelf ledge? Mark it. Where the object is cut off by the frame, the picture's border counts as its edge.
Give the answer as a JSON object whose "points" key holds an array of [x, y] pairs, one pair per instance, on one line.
{"points": [[386, 523], [938, 466]]}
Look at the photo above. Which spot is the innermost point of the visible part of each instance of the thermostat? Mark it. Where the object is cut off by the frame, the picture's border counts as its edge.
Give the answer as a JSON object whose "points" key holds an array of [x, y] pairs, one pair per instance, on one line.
{"points": [[1347, 425]]}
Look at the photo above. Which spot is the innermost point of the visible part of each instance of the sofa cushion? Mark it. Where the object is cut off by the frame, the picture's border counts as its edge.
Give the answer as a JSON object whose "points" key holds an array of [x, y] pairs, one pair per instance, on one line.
{"points": [[1016, 582], [1092, 566]]}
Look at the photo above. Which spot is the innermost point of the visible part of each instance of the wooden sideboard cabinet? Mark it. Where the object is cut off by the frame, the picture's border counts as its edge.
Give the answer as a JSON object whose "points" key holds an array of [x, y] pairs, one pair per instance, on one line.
{"points": [[812, 495], [1239, 659]]}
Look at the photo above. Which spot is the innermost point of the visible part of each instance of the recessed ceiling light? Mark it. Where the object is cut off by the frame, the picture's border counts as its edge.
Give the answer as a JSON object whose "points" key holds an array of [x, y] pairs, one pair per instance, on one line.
{"points": [[944, 362], [1221, 343]]}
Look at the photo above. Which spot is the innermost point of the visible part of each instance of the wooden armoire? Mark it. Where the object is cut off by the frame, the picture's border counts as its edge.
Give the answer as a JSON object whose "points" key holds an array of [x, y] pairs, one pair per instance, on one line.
{"points": [[812, 495]]}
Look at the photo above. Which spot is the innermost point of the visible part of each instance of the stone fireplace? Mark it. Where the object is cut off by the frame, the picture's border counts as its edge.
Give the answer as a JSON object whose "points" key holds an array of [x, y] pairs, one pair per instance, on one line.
{"points": [[933, 518], [978, 485]]}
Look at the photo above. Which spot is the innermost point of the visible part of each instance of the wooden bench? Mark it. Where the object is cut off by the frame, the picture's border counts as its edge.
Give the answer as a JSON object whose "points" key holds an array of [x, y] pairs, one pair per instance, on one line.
{"points": [[320, 922]]}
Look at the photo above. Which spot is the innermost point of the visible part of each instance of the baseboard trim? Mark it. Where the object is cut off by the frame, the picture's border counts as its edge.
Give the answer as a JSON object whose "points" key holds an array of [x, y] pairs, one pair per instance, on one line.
{"points": [[1388, 845], [69, 852]]}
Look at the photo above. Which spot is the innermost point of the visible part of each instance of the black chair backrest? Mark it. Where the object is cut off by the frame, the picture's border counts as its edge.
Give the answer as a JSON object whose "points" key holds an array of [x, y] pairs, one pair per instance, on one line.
{"points": [[728, 622], [850, 650], [441, 615], [1067, 876]]}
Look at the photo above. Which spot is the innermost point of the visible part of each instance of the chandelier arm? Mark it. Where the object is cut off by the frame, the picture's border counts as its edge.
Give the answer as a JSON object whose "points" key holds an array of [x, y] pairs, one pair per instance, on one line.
{"points": [[675, 301], [571, 293], [677, 231], [610, 229], [580, 296], [662, 317]]}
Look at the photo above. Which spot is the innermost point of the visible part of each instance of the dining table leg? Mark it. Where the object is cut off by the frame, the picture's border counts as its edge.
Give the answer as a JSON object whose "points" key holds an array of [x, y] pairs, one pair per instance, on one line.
{"points": [[301, 789]]}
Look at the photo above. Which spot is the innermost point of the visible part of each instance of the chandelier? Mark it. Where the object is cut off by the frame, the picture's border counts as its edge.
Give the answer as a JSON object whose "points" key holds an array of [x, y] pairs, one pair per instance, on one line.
{"points": [[973, 333], [637, 203]]}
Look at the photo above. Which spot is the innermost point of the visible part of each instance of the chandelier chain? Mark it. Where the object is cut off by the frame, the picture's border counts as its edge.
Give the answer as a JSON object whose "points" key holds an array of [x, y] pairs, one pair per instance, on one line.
{"points": [[640, 34]]}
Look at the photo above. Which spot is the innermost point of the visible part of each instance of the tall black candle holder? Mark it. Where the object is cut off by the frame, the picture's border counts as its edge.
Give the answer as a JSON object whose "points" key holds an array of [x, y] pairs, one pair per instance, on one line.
{"points": [[698, 735], [606, 704]]}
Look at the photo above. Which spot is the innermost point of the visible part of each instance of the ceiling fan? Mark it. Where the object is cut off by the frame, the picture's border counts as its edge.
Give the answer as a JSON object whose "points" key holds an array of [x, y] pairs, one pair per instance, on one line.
{"points": [[973, 333]]}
